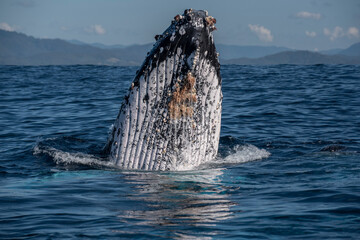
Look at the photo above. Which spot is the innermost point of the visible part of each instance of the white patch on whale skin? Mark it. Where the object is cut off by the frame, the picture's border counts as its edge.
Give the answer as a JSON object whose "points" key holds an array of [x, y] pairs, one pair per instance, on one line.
{"points": [[182, 30], [178, 51], [198, 23], [172, 38]]}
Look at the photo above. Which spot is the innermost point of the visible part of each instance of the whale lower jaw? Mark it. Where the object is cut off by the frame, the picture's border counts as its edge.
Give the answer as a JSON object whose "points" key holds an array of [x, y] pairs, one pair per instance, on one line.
{"points": [[171, 117]]}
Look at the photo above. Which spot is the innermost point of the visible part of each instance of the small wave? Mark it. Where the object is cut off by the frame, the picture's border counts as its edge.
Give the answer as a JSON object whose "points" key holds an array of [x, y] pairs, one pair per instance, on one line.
{"points": [[240, 154], [67, 158], [246, 153]]}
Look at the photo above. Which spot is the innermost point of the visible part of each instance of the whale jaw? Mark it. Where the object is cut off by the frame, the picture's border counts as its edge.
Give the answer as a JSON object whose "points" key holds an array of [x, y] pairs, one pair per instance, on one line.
{"points": [[171, 117]]}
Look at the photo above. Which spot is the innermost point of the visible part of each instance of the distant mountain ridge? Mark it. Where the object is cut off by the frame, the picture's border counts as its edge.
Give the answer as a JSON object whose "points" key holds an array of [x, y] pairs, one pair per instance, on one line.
{"points": [[98, 45], [232, 51], [20, 49], [296, 57], [353, 50]]}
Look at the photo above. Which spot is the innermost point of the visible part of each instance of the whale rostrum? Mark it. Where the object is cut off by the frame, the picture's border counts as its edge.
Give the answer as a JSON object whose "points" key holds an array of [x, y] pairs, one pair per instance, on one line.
{"points": [[171, 117]]}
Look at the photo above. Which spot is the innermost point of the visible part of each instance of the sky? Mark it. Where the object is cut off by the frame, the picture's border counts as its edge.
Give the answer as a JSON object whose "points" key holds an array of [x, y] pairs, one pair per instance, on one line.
{"points": [[297, 24]]}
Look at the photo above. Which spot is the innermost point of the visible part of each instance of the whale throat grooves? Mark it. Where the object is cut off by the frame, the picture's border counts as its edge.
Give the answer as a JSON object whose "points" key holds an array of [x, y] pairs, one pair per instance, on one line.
{"points": [[171, 117]]}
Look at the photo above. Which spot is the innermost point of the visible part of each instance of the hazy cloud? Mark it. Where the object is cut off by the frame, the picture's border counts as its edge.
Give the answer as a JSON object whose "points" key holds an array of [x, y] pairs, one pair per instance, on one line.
{"points": [[5, 26], [339, 32], [96, 29], [263, 33], [353, 32], [308, 15], [310, 34]]}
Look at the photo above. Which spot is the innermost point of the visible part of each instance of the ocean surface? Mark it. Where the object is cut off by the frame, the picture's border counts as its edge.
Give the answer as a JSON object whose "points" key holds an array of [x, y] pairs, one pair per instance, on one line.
{"points": [[288, 164]]}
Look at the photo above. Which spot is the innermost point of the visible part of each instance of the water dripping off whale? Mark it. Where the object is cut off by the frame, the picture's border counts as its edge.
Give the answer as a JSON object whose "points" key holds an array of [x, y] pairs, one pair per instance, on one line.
{"points": [[171, 117]]}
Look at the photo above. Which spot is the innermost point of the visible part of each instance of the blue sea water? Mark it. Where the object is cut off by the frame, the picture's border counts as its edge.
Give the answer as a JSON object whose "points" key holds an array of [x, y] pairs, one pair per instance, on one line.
{"points": [[288, 165]]}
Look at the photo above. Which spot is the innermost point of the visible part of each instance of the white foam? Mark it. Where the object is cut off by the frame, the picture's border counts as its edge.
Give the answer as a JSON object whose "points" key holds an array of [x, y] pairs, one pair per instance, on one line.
{"points": [[61, 157], [246, 153], [242, 154]]}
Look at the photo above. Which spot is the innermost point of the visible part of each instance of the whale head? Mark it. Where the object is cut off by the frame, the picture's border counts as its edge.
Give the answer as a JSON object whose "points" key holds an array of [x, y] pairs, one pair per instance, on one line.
{"points": [[170, 119]]}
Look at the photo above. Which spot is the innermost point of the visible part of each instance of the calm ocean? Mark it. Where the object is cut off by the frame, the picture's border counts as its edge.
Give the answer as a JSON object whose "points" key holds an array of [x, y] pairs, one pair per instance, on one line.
{"points": [[288, 165]]}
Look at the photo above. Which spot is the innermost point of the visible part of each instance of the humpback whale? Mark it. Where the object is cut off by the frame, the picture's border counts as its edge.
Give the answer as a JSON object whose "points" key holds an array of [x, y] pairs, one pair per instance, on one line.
{"points": [[171, 117]]}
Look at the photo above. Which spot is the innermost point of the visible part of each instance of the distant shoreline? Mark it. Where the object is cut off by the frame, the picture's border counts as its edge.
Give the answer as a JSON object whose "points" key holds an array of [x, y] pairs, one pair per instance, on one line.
{"points": [[19, 49]]}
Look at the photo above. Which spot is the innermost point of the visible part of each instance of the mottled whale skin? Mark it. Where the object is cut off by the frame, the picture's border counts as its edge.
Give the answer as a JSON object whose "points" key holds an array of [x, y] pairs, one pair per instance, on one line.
{"points": [[171, 117]]}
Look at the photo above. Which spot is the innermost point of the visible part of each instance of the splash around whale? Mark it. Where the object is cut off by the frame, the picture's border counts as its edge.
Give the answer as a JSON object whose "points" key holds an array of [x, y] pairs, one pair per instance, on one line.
{"points": [[171, 117]]}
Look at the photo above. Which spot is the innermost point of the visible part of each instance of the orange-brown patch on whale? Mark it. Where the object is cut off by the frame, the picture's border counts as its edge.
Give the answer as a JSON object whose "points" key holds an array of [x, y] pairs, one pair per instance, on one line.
{"points": [[183, 98]]}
